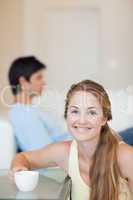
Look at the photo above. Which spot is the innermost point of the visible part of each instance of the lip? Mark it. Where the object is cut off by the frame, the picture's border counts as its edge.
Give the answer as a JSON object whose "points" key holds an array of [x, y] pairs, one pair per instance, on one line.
{"points": [[82, 129]]}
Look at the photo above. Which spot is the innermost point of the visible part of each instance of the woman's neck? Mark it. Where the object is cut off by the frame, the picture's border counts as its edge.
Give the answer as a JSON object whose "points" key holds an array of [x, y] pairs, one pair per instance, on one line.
{"points": [[23, 98], [88, 148]]}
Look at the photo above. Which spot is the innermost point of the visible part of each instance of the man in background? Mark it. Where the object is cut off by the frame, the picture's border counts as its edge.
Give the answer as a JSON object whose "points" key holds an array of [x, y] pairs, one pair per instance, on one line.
{"points": [[32, 128]]}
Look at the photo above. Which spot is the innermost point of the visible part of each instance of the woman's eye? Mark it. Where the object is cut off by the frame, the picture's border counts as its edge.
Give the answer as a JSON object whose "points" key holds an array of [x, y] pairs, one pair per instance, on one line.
{"points": [[74, 111], [92, 113]]}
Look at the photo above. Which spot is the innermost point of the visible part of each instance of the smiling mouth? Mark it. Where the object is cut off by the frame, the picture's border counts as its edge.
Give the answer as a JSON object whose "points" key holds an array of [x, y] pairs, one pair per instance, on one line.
{"points": [[82, 129]]}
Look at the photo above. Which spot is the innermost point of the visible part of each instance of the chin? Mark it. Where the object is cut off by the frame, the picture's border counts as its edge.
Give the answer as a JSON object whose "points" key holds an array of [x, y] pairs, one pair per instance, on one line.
{"points": [[80, 137], [38, 93], [84, 137]]}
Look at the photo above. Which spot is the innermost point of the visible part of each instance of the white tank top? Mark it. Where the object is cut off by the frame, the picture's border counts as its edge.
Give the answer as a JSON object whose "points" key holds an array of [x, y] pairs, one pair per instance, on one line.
{"points": [[81, 191]]}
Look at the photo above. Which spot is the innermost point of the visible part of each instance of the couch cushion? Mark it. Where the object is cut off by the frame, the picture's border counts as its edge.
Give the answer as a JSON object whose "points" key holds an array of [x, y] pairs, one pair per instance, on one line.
{"points": [[122, 109]]}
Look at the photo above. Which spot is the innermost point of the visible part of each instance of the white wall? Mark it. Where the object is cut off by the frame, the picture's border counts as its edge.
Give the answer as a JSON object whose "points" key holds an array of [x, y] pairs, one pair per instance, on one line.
{"points": [[115, 36], [117, 42], [21, 32]]}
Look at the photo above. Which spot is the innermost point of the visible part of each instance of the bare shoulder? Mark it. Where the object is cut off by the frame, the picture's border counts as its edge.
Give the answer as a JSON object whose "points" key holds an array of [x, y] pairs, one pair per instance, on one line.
{"points": [[125, 159]]}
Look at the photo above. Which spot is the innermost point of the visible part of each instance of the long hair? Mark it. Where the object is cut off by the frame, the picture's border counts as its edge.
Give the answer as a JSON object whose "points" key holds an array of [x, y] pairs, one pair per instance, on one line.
{"points": [[104, 172]]}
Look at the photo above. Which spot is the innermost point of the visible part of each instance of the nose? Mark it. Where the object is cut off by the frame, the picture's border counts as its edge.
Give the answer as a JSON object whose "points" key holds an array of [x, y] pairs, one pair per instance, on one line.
{"points": [[83, 118]]}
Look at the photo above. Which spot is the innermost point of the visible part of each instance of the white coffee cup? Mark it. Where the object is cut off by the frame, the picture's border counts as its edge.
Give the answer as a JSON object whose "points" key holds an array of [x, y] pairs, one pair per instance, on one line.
{"points": [[26, 180]]}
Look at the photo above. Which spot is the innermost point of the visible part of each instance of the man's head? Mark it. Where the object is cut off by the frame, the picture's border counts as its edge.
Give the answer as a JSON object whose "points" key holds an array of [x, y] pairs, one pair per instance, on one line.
{"points": [[26, 73]]}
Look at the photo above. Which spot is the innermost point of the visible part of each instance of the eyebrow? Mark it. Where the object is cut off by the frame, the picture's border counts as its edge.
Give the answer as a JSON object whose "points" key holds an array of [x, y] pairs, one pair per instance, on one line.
{"points": [[76, 107]]}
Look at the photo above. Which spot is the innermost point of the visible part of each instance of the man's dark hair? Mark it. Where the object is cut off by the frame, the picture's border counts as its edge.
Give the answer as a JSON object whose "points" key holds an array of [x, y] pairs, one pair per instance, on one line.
{"points": [[25, 67]]}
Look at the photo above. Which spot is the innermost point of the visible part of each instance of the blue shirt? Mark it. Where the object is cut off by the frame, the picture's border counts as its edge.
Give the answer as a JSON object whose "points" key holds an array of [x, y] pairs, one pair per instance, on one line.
{"points": [[34, 129]]}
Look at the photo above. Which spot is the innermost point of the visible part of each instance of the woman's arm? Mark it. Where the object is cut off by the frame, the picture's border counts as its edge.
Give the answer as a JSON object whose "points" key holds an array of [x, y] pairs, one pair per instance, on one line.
{"points": [[125, 159], [55, 154]]}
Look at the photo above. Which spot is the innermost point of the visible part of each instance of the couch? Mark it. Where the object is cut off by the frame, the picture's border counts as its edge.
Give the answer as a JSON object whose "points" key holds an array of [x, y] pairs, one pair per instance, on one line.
{"points": [[7, 144]]}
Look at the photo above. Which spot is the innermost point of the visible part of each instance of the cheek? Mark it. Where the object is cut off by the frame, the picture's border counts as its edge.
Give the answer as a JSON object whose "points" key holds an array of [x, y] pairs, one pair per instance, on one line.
{"points": [[71, 118], [69, 121], [98, 122], [36, 86]]}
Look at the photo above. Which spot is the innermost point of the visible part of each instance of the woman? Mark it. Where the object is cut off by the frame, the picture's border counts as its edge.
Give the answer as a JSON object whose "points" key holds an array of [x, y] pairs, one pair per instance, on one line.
{"points": [[100, 166]]}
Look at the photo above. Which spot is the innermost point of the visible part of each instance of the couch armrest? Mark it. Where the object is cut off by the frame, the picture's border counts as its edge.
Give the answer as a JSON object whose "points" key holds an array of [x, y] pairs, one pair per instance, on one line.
{"points": [[7, 144]]}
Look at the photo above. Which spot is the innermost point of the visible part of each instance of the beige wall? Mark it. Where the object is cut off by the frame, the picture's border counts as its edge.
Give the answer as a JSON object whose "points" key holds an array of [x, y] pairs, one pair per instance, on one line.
{"points": [[21, 32], [11, 36]]}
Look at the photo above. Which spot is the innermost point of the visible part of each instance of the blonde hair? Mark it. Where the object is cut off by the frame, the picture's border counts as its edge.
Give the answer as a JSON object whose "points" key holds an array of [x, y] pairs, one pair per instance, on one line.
{"points": [[104, 172]]}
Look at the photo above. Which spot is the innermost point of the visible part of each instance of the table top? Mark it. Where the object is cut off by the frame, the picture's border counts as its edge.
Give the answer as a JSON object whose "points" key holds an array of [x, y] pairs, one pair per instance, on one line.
{"points": [[49, 186]]}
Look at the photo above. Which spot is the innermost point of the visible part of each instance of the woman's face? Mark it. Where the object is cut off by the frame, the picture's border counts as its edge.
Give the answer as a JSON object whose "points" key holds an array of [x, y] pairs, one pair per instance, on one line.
{"points": [[85, 116]]}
